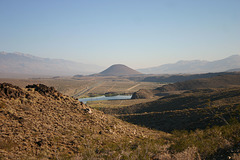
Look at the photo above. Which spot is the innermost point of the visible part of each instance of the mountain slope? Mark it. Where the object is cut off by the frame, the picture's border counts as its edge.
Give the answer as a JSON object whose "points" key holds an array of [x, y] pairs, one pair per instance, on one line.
{"points": [[37, 122], [195, 66], [211, 119], [204, 108], [119, 70], [221, 81], [205, 118], [19, 63]]}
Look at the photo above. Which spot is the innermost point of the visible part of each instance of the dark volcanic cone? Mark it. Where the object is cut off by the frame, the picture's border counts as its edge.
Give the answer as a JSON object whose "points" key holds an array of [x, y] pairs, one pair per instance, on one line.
{"points": [[119, 70]]}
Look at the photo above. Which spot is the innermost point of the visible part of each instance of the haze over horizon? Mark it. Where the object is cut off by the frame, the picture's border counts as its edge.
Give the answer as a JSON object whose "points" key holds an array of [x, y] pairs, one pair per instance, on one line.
{"points": [[136, 33]]}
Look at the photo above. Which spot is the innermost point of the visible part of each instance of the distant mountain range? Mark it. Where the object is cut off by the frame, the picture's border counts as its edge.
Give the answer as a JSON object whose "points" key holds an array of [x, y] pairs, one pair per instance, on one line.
{"points": [[17, 64], [195, 66], [118, 70], [25, 64]]}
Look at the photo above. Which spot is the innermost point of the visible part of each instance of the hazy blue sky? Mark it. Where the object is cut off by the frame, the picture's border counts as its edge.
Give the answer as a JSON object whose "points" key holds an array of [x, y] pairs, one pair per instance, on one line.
{"points": [[138, 33]]}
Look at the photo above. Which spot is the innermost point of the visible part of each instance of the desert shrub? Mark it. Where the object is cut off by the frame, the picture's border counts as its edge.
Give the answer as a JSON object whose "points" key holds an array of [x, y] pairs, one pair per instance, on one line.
{"points": [[7, 144], [207, 141], [127, 148], [2, 105], [93, 95], [65, 156]]}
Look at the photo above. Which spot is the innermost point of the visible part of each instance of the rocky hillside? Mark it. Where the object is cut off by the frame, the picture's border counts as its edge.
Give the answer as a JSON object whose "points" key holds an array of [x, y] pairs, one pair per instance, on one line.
{"points": [[37, 122]]}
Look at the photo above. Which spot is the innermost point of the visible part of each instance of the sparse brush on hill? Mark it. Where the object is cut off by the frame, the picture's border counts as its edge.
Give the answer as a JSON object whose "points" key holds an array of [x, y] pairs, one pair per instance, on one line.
{"points": [[197, 118], [227, 80], [189, 111], [38, 122], [221, 81], [218, 142]]}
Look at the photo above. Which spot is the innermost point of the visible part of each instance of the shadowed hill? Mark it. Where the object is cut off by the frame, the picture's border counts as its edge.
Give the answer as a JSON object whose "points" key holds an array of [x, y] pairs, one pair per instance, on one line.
{"points": [[196, 109], [220, 81], [119, 70], [200, 118], [222, 91], [183, 77]]}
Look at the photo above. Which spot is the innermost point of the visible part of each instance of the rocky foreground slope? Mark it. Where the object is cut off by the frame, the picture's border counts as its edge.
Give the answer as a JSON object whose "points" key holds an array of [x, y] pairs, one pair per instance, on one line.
{"points": [[37, 122]]}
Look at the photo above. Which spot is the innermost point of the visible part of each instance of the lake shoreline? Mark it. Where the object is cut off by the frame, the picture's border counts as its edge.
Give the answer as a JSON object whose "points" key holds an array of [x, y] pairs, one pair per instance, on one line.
{"points": [[103, 97]]}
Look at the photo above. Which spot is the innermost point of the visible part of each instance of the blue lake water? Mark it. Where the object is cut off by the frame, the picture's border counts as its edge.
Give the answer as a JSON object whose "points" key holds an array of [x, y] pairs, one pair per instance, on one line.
{"points": [[99, 98]]}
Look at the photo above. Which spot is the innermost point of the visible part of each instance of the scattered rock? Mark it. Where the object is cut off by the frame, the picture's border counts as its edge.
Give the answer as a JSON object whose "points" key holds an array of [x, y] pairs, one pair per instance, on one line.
{"points": [[44, 127], [88, 110], [10, 91], [45, 90]]}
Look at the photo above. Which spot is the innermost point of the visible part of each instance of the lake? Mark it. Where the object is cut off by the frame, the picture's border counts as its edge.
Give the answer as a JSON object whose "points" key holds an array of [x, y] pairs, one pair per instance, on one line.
{"points": [[99, 98]]}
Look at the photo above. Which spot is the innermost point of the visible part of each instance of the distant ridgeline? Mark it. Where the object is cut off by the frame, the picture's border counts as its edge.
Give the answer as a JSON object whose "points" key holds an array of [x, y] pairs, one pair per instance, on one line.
{"points": [[222, 80], [196, 66], [19, 63], [184, 77]]}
